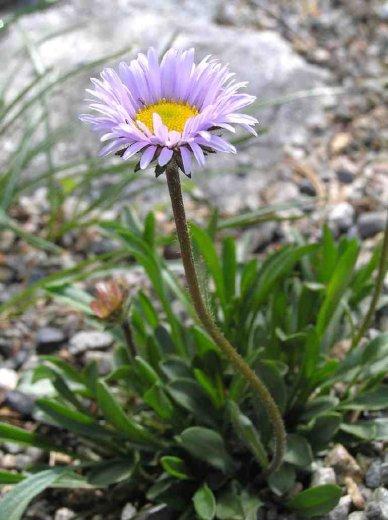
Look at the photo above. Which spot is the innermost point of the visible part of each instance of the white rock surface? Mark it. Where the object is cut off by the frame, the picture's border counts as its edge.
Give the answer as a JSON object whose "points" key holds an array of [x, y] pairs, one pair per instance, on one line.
{"points": [[8, 379], [263, 58]]}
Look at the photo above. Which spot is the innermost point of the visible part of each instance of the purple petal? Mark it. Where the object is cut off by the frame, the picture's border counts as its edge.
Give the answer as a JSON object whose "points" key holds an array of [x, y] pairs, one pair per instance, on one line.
{"points": [[147, 157], [165, 156], [186, 159]]}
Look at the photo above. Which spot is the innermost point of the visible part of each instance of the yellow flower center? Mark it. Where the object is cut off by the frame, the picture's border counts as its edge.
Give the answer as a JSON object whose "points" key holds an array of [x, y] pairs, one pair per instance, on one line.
{"points": [[174, 114]]}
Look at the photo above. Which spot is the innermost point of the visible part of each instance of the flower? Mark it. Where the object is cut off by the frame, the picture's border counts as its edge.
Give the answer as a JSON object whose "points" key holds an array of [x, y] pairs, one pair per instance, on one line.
{"points": [[109, 300], [172, 109]]}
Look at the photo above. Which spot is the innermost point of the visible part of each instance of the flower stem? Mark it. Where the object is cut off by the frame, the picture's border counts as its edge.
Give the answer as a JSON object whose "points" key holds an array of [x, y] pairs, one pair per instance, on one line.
{"points": [[383, 264], [174, 187]]}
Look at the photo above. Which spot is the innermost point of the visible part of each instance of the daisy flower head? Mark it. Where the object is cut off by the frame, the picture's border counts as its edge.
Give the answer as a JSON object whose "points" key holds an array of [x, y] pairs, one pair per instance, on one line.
{"points": [[168, 109]]}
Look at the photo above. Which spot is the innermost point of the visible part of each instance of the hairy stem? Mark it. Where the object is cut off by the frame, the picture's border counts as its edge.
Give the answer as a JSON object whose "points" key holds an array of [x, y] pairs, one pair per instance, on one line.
{"points": [[383, 264], [174, 187]]}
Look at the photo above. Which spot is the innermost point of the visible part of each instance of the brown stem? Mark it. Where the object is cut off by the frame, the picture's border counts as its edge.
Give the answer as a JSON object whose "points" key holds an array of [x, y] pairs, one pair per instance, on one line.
{"points": [[174, 187]]}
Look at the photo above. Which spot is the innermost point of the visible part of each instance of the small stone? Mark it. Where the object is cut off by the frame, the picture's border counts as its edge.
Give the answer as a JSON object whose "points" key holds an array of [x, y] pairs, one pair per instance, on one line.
{"points": [[307, 188], [8, 461], [369, 224], [35, 454], [345, 176], [341, 216], [381, 495], [323, 476], [373, 475], [128, 512], [384, 474], [103, 359], [374, 511], [89, 340], [382, 12], [356, 515], [19, 402], [49, 339], [341, 511], [377, 508], [160, 512], [340, 142], [13, 448], [8, 379], [64, 514]]}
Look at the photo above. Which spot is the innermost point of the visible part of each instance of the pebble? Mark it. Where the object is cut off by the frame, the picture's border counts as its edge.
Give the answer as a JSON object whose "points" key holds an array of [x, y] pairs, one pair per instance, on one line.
{"points": [[369, 224], [64, 514], [341, 511], [356, 515], [377, 508], [103, 359], [382, 12], [89, 340], [307, 188], [8, 379], [384, 474], [323, 476], [128, 512], [373, 475], [341, 216], [160, 512], [49, 339], [19, 402]]}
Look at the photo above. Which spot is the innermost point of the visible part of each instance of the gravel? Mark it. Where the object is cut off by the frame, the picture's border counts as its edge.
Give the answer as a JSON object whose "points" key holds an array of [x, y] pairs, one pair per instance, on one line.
{"points": [[8, 378], [89, 340], [369, 224], [373, 475], [19, 402], [323, 476], [49, 339]]}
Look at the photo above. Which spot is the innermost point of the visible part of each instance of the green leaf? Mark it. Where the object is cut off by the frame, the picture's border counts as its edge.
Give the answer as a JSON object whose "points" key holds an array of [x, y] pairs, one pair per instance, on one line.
{"points": [[269, 372], [175, 467], [110, 472], [318, 406], [229, 506], [209, 385], [372, 430], [298, 451], [6, 477], [248, 434], [374, 400], [15, 502], [274, 268], [156, 398], [72, 420], [315, 501], [324, 429], [17, 435], [282, 480], [336, 287], [229, 267], [204, 503], [190, 396], [118, 418], [195, 439], [208, 251], [146, 372]]}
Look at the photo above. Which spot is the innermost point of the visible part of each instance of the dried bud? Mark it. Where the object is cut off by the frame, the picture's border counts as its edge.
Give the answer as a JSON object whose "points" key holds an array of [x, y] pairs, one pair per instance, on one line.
{"points": [[110, 297]]}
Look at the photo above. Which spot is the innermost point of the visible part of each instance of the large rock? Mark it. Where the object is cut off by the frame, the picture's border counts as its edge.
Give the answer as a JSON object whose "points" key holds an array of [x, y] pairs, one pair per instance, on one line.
{"points": [[263, 58]]}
